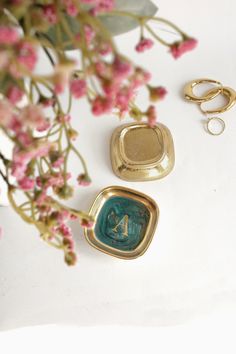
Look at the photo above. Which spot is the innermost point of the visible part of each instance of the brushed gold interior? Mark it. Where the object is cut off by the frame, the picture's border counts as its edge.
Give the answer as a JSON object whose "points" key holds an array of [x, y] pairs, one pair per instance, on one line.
{"points": [[141, 153], [143, 144]]}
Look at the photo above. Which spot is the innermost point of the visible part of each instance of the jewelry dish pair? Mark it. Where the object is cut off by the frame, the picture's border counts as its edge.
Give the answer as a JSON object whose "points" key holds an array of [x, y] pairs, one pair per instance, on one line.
{"points": [[125, 219]]}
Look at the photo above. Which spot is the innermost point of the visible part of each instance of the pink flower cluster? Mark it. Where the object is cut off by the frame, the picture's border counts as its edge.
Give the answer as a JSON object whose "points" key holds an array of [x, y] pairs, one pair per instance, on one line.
{"points": [[100, 5], [119, 81], [58, 226], [50, 13], [23, 54], [8, 35], [144, 44], [78, 88], [180, 48], [151, 116], [157, 93]]}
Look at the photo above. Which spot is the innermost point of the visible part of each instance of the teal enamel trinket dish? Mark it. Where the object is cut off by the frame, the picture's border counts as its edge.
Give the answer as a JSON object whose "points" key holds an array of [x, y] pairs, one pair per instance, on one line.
{"points": [[125, 222]]}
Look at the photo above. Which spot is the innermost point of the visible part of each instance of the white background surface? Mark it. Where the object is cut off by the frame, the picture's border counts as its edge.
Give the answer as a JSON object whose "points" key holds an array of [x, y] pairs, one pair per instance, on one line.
{"points": [[187, 277]]}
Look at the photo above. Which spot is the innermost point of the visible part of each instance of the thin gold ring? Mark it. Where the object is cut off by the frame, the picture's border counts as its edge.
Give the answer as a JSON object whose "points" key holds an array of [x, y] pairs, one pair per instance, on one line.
{"points": [[217, 119]]}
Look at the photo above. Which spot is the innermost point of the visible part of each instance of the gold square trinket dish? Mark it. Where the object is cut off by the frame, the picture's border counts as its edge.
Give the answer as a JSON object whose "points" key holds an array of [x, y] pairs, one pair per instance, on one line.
{"points": [[125, 222], [141, 153]]}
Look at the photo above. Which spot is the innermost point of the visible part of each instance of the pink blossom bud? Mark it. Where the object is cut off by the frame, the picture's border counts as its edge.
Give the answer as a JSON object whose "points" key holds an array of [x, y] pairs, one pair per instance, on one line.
{"points": [[26, 183], [179, 48], [14, 94], [8, 35], [84, 180], [144, 44], [50, 13], [87, 223], [157, 93], [151, 116], [78, 88], [101, 105]]}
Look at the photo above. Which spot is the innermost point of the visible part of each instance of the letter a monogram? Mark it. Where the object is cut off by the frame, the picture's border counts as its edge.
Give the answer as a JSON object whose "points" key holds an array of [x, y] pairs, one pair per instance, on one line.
{"points": [[123, 224]]}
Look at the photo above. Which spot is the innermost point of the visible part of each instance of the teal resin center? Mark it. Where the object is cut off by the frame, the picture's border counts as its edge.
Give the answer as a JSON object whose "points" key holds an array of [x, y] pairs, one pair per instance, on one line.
{"points": [[122, 223]]}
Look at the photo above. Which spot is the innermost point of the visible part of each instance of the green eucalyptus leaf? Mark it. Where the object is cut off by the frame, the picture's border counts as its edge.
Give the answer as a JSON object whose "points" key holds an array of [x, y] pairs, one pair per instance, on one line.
{"points": [[74, 26], [115, 24], [122, 24]]}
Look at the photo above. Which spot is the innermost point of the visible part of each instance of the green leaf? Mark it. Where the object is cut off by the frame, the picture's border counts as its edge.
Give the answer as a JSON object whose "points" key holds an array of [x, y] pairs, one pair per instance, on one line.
{"points": [[122, 24], [115, 24]]}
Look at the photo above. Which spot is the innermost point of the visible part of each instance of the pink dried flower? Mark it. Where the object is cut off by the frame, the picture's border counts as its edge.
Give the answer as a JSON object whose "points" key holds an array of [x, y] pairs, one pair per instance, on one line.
{"points": [[157, 93], [121, 68], [103, 6], [24, 139], [101, 105], [140, 77], [64, 118], [18, 170], [84, 180], [105, 48], [47, 101], [50, 13], [6, 112], [15, 125], [71, 8], [4, 59], [14, 94], [78, 88], [123, 97], [58, 162], [87, 223], [65, 231], [144, 44], [89, 33], [41, 150], [44, 126], [8, 35], [33, 116], [151, 116], [179, 48], [102, 69], [91, 2], [26, 183], [27, 55], [69, 243]]}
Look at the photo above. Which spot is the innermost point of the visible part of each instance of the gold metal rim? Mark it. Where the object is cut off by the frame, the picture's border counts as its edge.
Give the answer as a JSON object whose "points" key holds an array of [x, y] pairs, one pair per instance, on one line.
{"points": [[150, 204], [209, 95], [219, 120], [229, 93], [135, 171]]}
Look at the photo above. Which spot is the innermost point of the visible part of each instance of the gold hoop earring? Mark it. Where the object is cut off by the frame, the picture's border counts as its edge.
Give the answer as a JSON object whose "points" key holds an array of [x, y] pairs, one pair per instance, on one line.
{"points": [[227, 92], [190, 96]]}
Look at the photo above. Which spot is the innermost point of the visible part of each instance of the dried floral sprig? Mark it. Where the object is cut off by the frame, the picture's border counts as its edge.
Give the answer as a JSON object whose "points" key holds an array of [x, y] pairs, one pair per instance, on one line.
{"points": [[31, 114]]}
